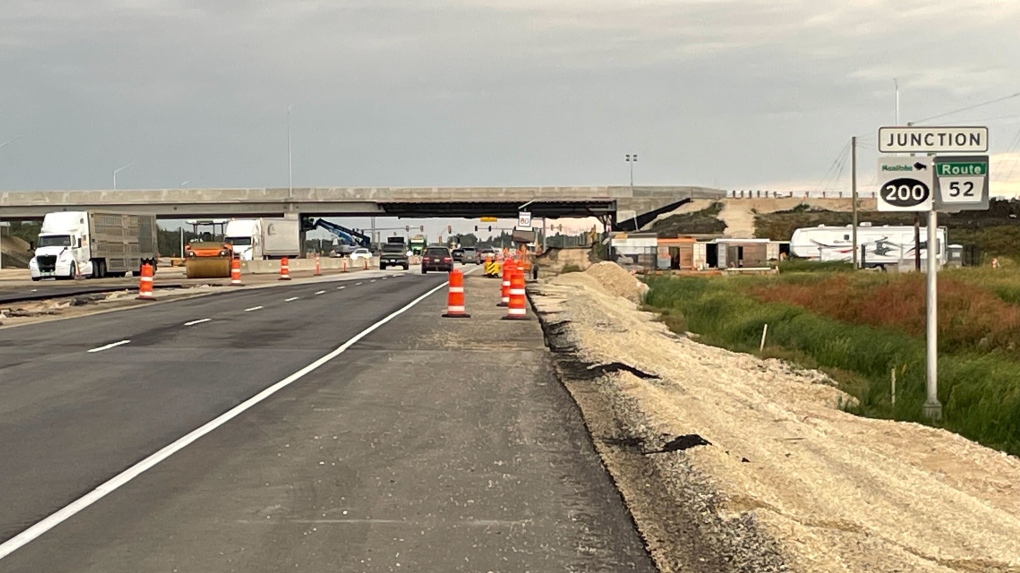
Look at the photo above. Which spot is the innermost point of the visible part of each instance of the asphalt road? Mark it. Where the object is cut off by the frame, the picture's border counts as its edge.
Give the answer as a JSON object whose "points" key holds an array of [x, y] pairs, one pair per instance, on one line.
{"points": [[430, 445]]}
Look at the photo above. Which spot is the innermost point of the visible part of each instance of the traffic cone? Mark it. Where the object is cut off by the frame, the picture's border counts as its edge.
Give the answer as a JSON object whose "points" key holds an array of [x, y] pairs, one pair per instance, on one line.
{"points": [[343, 265], [366, 264], [145, 284], [508, 271], [455, 297], [517, 309], [284, 269], [317, 272], [235, 272]]}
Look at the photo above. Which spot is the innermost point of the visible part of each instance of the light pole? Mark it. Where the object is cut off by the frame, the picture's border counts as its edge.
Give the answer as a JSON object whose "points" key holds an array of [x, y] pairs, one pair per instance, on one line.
{"points": [[118, 170], [290, 164], [631, 159]]}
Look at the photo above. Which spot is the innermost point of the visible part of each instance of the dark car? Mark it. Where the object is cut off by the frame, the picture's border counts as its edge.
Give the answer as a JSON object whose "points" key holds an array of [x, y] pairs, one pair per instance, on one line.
{"points": [[393, 255], [457, 254], [437, 258], [470, 255]]}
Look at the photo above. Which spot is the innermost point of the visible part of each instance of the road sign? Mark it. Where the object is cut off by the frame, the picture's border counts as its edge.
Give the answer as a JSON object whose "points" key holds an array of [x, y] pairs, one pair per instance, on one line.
{"points": [[488, 219], [524, 220], [905, 183], [933, 139], [961, 183]]}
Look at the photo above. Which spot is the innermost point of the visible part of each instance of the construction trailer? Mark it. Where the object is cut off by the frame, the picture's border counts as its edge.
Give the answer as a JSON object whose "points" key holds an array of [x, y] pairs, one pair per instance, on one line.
{"points": [[731, 253]]}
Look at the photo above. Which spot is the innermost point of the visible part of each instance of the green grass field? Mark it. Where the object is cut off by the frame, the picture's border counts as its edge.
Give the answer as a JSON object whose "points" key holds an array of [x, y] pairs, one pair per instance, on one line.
{"points": [[858, 327]]}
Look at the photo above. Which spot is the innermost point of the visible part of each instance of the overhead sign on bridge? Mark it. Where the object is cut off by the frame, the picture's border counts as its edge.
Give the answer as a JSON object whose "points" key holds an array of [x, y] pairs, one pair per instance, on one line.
{"points": [[933, 139]]}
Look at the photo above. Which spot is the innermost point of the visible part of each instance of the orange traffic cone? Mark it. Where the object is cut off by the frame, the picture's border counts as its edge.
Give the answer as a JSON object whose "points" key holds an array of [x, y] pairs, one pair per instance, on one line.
{"points": [[145, 284], [455, 297], [366, 264], [284, 269], [517, 309], [317, 273], [235, 272], [508, 271]]}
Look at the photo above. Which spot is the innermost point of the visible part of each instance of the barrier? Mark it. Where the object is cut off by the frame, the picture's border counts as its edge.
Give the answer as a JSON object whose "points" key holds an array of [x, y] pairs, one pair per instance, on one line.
{"points": [[508, 271], [145, 284], [455, 296], [284, 269], [235, 272], [517, 309]]}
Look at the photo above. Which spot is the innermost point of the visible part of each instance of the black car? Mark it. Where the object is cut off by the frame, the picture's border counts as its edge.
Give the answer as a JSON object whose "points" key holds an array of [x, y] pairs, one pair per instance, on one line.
{"points": [[393, 255], [437, 258], [458, 254]]}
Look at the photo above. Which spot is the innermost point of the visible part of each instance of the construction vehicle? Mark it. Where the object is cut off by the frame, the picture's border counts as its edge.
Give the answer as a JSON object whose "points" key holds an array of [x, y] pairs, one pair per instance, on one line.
{"points": [[349, 239], [206, 257], [91, 244]]}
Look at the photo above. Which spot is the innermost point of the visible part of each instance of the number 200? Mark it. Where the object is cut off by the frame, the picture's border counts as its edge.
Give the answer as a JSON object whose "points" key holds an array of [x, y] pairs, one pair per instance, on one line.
{"points": [[905, 193]]}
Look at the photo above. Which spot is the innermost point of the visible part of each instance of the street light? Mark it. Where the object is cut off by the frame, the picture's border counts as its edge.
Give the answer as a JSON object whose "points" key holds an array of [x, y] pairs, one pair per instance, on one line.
{"points": [[290, 164], [118, 170], [631, 159]]}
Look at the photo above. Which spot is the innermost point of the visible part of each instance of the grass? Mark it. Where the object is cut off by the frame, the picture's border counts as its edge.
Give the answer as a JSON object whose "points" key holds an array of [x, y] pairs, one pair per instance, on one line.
{"points": [[808, 266], [859, 327]]}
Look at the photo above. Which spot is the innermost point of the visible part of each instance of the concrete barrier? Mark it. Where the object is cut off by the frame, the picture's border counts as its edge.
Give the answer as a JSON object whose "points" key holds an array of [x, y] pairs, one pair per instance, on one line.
{"points": [[297, 265]]}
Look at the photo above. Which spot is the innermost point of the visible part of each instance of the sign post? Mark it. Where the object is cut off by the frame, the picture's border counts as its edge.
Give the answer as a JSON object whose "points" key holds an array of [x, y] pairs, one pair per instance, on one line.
{"points": [[947, 183]]}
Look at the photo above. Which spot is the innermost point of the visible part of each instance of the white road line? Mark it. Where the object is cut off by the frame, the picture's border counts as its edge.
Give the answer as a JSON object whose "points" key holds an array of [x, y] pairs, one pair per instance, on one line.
{"points": [[340, 288], [372, 281], [107, 347], [199, 321], [253, 308], [104, 489], [358, 284], [291, 299], [321, 292]]}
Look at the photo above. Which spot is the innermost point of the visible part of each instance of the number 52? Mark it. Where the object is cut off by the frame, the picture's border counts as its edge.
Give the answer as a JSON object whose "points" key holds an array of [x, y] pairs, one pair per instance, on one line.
{"points": [[955, 189]]}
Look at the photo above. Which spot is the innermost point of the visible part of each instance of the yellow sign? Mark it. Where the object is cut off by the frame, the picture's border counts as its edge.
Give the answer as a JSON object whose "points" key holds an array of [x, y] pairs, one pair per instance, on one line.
{"points": [[488, 219]]}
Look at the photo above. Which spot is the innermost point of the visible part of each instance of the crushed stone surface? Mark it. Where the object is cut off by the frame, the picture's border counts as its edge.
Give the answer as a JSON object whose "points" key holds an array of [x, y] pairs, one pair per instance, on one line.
{"points": [[835, 492]]}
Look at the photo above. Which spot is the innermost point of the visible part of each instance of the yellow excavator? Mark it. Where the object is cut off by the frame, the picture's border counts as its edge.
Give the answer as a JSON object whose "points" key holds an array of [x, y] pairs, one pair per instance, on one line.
{"points": [[205, 257]]}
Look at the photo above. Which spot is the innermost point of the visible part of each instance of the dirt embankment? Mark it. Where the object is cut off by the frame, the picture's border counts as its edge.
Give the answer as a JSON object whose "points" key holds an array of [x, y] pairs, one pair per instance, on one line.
{"points": [[731, 463], [15, 252]]}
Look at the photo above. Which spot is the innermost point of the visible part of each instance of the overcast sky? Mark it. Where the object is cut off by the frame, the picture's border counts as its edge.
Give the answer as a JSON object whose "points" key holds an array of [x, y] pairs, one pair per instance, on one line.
{"points": [[733, 94]]}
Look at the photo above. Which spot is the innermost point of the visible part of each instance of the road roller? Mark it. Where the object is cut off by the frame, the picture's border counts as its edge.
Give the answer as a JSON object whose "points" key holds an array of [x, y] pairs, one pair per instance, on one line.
{"points": [[207, 260]]}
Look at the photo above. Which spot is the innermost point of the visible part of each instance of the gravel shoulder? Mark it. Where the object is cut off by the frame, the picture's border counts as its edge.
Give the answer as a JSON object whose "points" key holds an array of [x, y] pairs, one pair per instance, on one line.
{"points": [[732, 463]]}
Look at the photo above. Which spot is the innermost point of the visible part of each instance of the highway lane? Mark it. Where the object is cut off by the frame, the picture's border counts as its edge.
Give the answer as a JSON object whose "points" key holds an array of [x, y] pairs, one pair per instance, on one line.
{"points": [[70, 418], [430, 445]]}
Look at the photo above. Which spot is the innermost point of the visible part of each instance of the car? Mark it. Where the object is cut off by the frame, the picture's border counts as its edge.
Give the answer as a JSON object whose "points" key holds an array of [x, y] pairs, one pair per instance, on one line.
{"points": [[487, 252], [437, 258], [470, 255], [393, 255], [361, 253], [458, 254]]}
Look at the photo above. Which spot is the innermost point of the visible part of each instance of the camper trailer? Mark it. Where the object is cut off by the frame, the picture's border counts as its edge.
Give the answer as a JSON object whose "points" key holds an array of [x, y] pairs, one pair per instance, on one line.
{"points": [[877, 246]]}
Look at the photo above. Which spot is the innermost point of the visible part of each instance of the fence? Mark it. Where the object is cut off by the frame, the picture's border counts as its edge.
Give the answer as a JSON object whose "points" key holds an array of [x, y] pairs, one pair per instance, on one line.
{"points": [[759, 194]]}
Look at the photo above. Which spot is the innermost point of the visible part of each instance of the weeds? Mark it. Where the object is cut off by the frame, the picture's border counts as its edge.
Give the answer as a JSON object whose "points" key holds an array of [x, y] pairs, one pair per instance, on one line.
{"points": [[857, 329]]}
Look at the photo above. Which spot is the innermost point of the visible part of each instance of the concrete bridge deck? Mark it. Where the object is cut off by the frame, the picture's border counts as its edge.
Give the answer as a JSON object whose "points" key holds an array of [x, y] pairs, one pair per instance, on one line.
{"points": [[576, 201]]}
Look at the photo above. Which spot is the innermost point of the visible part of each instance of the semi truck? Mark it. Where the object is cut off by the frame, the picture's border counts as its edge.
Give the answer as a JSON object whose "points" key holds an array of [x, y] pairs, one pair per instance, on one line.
{"points": [[94, 244], [264, 238]]}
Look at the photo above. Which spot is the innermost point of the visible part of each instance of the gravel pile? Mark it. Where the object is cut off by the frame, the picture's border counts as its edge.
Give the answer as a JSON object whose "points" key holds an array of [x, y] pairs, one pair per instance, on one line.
{"points": [[782, 480], [609, 278]]}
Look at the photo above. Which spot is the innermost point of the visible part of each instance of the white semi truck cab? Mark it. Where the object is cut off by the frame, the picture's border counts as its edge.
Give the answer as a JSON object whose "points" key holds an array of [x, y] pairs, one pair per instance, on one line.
{"points": [[90, 244], [245, 236]]}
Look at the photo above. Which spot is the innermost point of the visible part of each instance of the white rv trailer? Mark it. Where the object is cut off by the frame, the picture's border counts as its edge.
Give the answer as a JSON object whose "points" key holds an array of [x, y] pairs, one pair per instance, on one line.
{"points": [[876, 246]]}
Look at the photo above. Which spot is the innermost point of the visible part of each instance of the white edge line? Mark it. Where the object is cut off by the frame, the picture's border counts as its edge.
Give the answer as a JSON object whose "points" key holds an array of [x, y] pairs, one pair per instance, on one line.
{"points": [[199, 321], [107, 347], [253, 308], [108, 487], [293, 298]]}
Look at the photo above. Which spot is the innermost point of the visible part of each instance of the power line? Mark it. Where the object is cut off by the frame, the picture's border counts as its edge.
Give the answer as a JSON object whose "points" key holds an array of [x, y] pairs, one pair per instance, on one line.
{"points": [[968, 108], [833, 167]]}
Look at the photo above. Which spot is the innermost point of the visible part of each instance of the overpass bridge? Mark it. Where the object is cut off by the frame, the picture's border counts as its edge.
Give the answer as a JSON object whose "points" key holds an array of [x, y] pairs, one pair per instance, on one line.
{"points": [[610, 203]]}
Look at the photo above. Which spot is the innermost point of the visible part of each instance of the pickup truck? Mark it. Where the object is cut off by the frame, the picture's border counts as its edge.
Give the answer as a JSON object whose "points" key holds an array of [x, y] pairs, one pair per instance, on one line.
{"points": [[393, 255]]}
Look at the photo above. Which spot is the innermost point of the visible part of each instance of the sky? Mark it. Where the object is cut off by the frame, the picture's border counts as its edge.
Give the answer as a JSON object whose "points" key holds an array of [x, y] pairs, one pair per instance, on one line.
{"points": [[751, 94]]}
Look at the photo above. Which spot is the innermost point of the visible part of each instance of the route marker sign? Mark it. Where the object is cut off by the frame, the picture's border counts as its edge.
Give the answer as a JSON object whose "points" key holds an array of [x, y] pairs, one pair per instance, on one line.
{"points": [[905, 184], [933, 139], [961, 183]]}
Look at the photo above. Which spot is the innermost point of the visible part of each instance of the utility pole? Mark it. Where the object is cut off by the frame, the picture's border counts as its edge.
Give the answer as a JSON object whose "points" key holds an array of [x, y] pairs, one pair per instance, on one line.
{"points": [[853, 193]]}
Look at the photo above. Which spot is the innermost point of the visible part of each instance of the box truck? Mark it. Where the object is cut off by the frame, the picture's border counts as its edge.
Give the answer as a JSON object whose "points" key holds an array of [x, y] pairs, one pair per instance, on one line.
{"points": [[264, 238], [92, 244]]}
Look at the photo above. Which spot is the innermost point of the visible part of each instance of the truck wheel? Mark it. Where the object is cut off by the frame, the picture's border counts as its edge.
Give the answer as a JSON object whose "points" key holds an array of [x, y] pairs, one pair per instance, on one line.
{"points": [[74, 272], [423, 271], [406, 267], [382, 267]]}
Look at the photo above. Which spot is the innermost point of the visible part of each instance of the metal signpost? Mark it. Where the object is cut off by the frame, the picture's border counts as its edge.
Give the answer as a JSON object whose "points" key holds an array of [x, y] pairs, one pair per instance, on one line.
{"points": [[946, 183]]}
